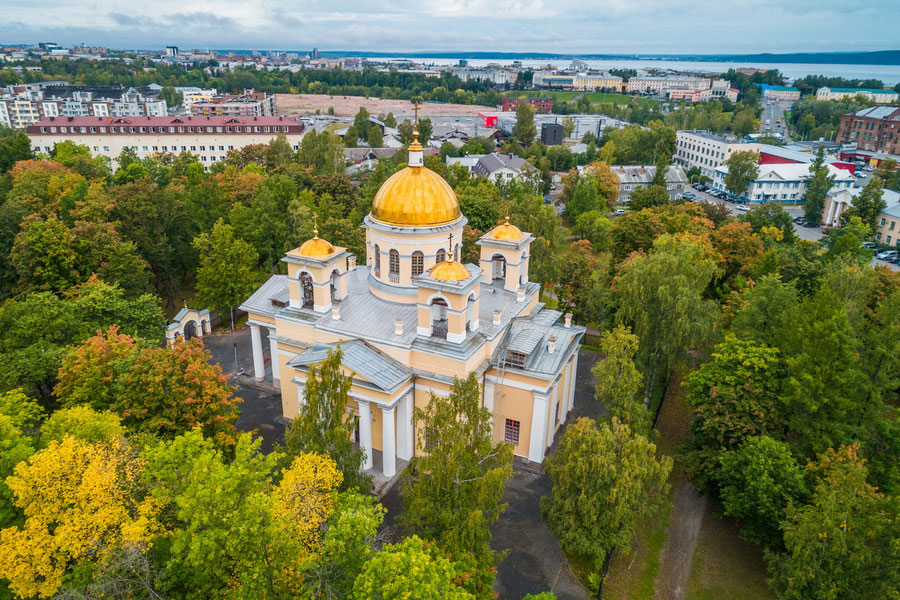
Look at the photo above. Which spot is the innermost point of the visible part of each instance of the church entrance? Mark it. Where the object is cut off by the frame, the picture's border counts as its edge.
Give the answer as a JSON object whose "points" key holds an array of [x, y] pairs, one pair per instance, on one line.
{"points": [[190, 330]]}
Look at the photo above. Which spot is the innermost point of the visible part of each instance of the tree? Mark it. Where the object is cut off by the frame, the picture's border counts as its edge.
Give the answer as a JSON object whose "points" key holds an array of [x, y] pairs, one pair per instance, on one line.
{"points": [[84, 423], [524, 131], [817, 187], [605, 480], [584, 197], [410, 569], [15, 447], [662, 170], [44, 256], [390, 120], [577, 290], [351, 137], [770, 215], [425, 129], [843, 544], [375, 138], [226, 275], [453, 493], [322, 425], [619, 380], [88, 371], [82, 501], [768, 313], [743, 168], [867, 205], [361, 122], [648, 197], [757, 482], [660, 297], [14, 146], [568, 127], [481, 202]]}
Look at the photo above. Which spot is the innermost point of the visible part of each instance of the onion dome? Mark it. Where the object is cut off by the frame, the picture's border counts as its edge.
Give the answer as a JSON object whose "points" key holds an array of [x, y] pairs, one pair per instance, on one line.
{"points": [[415, 196], [316, 247], [449, 270], [506, 231]]}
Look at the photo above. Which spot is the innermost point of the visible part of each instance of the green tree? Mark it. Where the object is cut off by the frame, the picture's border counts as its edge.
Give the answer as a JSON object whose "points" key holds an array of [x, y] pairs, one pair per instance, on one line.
{"points": [[584, 197], [322, 425], [14, 146], [768, 313], [843, 544], [375, 138], [605, 479], [15, 447], [410, 569], [867, 205], [227, 272], [619, 380], [648, 197], [662, 170], [425, 129], [770, 215], [757, 482], [390, 120], [351, 137], [481, 202], [84, 423], [743, 168], [817, 187], [660, 297], [44, 256], [524, 131], [361, 122], [453, 493]]}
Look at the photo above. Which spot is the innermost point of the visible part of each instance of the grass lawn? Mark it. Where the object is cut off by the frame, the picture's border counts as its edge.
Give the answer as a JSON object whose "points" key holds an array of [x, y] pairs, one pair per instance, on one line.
{"points": [[605, 97], [725, 566], [563, 96]]}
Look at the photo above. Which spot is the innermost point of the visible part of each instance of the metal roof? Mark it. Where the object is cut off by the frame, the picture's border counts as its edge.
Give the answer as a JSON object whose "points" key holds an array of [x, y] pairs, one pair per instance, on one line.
{"points": [[276, 288], [525, 340], [362, 359]]}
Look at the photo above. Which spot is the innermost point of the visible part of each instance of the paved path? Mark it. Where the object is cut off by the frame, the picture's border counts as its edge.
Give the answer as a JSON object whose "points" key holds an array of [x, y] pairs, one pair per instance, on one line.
{"points": [[677, 554]]}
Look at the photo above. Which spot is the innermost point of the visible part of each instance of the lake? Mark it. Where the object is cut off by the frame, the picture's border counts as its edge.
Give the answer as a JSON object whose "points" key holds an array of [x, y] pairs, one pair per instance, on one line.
{"points": [[889, 74]]}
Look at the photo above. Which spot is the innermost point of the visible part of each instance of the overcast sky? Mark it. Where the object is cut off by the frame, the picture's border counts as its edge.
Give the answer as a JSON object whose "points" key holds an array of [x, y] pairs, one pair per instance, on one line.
{"points": [[607, 26]]}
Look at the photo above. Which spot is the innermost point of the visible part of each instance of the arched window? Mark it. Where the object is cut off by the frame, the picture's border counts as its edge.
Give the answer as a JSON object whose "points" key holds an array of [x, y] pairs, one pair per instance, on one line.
{"points": [[394, 260], [377, 259], [456, 253], [418, 263], [441, 256], [306, 288], [498, 266]]}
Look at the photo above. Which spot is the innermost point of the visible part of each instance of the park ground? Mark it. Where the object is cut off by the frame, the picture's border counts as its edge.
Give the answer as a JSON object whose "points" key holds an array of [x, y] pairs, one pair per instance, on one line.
{"points": [[348, 106], [688, 551]]}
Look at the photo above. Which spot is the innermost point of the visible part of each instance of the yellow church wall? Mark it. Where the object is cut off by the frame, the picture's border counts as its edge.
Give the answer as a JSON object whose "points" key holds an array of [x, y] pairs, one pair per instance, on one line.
{"points": [[261, 318], [517, 404]]}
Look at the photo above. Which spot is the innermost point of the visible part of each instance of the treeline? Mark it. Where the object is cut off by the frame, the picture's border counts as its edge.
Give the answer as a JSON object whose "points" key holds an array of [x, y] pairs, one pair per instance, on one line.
{"points": [[394, 84], [809, 84], [814, 119]]}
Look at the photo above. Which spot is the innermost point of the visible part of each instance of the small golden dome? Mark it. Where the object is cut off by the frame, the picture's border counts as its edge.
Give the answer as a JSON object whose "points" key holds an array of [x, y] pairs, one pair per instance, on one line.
{"points": [[506, 231], [449, 270], [316, 246], [415, 197]]}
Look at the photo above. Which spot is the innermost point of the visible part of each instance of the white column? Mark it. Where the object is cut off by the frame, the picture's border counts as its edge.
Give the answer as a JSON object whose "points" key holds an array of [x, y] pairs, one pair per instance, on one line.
{"points": [[574, 378], [365, 431], [259, 367], [489, 391], [388, 442], [536, 444], [566, 380], [405, 433], [551, 419], [273, 351]]}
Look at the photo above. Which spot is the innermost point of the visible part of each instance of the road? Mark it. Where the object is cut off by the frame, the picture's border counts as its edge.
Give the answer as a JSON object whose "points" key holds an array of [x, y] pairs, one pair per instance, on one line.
{"points": [[773, 115]]}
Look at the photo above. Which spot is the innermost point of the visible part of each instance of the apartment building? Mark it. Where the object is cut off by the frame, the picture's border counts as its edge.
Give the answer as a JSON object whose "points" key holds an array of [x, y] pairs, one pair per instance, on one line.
{"points": [[875, 129], [780, 92], [586, 82], [541, 105], [498, 77], [210, 138], [706, 151], [636, 177], [247, 104], [878, 96], [658, 85], [21, 106], [552, 79], [783, 183], [887, 225]]}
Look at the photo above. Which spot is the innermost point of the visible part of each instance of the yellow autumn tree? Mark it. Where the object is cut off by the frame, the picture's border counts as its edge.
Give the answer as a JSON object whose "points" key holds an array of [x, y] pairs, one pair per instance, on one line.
{"points": [[307, 493], [81, 502]]}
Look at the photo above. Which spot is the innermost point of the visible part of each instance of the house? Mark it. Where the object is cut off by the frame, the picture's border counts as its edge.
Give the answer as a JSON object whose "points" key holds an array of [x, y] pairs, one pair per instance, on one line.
{"points": [[468, 162], [505, 167], [635, 177], [877, 96], [838, 202]]}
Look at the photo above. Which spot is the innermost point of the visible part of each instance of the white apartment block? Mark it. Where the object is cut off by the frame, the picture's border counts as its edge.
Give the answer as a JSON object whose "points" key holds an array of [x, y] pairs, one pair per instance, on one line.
{"points": [[657, 85], [210, 138], [706, 151], [879, 96], [784, 183], [496, 76], [585, 82], [21, 107]]}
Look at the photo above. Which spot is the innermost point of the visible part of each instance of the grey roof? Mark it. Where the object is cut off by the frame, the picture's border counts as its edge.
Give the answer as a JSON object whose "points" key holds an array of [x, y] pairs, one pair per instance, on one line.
{"points": [[276, 288], [637, 174], [489, 163], [534, 332], [525, 340], [361, 358], [878, 112]]}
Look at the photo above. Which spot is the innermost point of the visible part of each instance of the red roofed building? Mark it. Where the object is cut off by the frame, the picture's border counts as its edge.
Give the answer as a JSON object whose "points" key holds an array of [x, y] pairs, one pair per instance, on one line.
{"points": [[210, 138]]}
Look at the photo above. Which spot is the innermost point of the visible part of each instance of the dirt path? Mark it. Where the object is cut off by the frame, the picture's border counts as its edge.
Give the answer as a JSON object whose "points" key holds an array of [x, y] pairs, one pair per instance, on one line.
{"points": [[676, 556]]}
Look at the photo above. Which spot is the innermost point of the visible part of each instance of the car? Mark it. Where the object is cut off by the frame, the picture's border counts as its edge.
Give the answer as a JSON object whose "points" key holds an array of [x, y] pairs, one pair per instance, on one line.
{"points": [[887, 255], [869, 245], [798, 220], [619, 211], [894, 260], [742, 207]]}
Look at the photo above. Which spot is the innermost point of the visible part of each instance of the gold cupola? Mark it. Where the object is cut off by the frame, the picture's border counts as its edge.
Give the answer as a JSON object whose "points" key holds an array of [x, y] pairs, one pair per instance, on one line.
{"points": [[506, 231], [415, 196], [316, 246]]}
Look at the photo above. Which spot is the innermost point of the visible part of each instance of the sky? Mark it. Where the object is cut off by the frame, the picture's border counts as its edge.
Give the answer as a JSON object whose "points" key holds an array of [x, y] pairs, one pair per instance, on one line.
{"points": [[559, 26]]}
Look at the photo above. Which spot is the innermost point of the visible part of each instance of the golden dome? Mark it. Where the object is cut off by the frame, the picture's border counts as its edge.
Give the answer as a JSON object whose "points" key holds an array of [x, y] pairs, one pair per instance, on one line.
{"points": [[449, 270], [316, 247], [506, 231], [415, 197]]}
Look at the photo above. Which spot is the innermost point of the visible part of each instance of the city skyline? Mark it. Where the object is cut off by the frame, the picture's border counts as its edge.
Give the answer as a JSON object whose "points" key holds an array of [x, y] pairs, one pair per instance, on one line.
{"points": [[610, 26]]}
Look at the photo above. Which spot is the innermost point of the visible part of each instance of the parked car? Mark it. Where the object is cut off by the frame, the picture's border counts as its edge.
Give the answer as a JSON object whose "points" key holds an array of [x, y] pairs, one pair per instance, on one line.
{"points": [[886, 254], [894, 260], [799, 220], [743, 208], [619, 211], [869, 245]]}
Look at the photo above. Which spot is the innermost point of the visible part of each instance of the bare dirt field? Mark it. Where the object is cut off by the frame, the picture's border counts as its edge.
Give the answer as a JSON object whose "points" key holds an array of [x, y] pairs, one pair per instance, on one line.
{"points": [[347, 106]]}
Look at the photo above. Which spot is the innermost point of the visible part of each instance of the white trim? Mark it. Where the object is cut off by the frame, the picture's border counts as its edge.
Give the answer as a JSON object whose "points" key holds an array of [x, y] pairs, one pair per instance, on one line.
{"points": [[432, 390], [537, 439], [365, 431], [515, 384], [388, 442]]}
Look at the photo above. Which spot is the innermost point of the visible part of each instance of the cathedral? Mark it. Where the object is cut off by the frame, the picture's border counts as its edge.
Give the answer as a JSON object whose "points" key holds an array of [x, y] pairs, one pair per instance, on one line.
{"points": [[413, 318]]}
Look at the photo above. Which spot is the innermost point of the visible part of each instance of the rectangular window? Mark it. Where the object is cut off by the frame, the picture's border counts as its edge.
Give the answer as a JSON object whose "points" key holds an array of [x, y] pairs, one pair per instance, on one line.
{"points": [[431, 438], [887, 240], [883, 221], [511, 432]]}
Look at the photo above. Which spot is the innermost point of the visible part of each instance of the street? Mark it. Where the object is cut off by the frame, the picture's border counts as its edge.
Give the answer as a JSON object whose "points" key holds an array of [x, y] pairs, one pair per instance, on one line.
{"points": [[772, 119]]}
